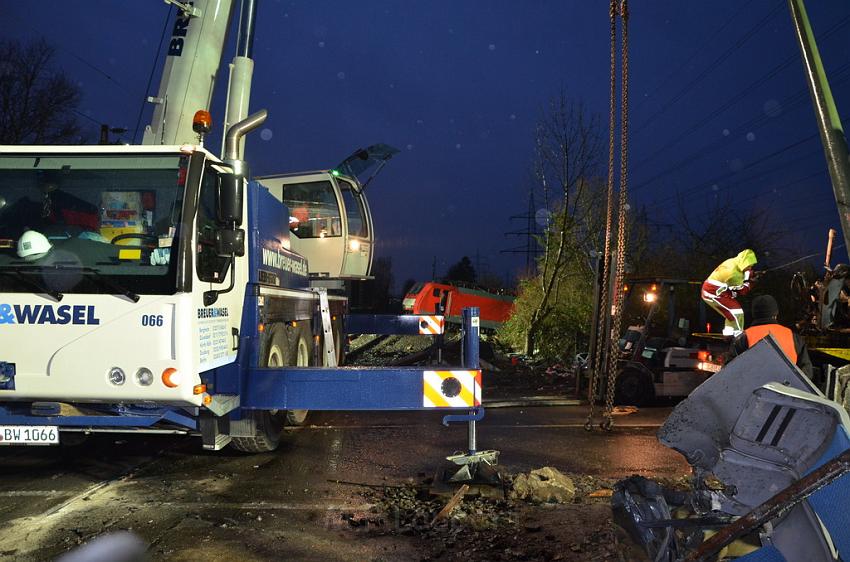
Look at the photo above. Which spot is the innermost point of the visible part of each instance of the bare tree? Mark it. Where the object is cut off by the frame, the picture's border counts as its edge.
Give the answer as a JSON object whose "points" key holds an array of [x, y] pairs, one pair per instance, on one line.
{"points": [[703, 237], [37, 102], [566, 165]]}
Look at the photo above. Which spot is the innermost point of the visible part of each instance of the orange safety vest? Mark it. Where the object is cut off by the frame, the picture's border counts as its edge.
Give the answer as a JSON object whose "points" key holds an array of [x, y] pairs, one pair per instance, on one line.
{"points": [[783, 336]]}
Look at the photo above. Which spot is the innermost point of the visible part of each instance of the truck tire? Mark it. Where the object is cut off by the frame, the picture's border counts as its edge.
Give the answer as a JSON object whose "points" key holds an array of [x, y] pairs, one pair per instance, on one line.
{"points": [[301, 355], [633, 388], [268, 424]]}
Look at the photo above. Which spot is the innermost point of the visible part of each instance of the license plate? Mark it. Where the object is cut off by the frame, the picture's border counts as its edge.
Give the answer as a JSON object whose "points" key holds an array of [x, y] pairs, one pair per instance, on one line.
{"points": [[710, 367], [29, 435]]}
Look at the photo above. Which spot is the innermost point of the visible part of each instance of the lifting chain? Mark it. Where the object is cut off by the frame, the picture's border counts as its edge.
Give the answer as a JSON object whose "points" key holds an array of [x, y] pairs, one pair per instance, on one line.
{"points": [[611, 338], [601, 338], [619, 271]]}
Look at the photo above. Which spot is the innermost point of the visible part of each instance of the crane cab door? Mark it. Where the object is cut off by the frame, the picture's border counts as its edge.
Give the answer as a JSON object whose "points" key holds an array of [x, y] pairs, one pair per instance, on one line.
{"points": [[353, 175], [359, 241]]}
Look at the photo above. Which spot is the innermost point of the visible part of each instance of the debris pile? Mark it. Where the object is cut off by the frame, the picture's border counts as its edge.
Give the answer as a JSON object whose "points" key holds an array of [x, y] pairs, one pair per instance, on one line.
{"points": [[544, 485], [372, 350], [410, 510], [548, 515]]}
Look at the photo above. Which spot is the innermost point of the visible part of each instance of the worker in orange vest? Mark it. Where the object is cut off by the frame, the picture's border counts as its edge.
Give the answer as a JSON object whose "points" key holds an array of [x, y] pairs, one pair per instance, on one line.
{"points": [[765, 311]]}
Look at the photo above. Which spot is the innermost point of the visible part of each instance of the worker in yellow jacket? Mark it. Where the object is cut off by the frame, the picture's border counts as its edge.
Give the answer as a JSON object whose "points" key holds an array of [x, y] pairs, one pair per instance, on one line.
{"points": [[720, 291]]}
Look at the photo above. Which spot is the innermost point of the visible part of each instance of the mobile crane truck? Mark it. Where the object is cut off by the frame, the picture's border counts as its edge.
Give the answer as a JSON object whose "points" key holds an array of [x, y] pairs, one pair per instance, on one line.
{"points": [[158, 288]]}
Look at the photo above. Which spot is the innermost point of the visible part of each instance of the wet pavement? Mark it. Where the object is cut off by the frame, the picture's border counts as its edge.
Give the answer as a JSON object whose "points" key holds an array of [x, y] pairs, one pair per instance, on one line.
{"points": [[190, 504]]}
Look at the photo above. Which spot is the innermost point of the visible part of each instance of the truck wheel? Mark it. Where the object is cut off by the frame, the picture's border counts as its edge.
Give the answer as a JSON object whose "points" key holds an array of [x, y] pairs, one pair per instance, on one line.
{"points": [[268, 424], [301, 353], [633, 388]]}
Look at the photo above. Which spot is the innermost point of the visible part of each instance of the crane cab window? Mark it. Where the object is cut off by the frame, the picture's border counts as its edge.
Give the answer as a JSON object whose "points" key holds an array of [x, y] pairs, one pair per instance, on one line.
{"points": [[354, 213], [313, 209]]}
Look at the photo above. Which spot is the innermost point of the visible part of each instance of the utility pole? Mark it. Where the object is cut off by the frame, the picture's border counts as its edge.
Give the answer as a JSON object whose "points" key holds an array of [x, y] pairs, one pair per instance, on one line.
{"points": [[531, 248], [105, 130]]}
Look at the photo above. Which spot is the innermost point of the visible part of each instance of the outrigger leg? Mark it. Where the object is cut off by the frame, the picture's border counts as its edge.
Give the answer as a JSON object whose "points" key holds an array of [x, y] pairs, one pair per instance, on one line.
{"points": [[476, 467]]}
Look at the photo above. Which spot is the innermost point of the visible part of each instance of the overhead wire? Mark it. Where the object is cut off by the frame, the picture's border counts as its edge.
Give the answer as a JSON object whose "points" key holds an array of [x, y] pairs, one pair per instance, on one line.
{"points": [[798, 260], [153, 69], [775, 189], [89, 117], [713, 65], [709, 183], [744, 92], [87, 63], [677, 72], [794, 101], [727, 175]]}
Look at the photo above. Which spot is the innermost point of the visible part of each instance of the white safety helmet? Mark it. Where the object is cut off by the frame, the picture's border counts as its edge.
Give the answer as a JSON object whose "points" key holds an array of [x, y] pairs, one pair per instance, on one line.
{"points": [[33, 245]]}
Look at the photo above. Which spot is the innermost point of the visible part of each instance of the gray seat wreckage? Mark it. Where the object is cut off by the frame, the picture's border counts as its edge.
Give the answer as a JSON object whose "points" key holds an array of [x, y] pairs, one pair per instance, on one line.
{"points": [[750, 432]]}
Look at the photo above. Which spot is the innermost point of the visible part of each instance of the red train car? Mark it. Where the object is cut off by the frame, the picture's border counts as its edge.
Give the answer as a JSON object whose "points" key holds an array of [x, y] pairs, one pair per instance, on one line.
{"points": [[423, 298]]}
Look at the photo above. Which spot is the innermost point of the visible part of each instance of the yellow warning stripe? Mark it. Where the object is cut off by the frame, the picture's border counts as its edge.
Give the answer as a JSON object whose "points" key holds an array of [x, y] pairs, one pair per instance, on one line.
{"points": [[467, 395], [435, 397], [470, 389], [433, 325], [840, 352]]}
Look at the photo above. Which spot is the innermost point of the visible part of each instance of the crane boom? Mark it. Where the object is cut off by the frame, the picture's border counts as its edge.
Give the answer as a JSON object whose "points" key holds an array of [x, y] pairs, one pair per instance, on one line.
{"points": [[191, 65], [829, 122]]}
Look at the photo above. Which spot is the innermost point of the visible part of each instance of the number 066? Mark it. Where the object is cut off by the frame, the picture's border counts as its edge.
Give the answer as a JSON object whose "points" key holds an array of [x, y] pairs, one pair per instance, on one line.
{"points": [[152, 320]]}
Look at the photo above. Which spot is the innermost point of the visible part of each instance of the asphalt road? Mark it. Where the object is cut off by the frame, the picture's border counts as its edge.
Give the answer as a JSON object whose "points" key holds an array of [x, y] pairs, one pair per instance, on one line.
{"points": [[188, 504]]}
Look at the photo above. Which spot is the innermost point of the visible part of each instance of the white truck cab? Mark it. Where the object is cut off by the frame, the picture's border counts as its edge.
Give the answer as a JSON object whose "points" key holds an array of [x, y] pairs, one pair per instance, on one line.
{"points": [[112, 312]]}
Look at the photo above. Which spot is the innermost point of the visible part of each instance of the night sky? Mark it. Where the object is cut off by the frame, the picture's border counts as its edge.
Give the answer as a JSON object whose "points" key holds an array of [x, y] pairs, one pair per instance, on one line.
{"points": [[719, 102]]}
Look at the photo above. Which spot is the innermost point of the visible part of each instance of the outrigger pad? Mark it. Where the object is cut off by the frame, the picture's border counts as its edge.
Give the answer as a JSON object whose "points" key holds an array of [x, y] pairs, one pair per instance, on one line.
{"points": [[700, 427]]}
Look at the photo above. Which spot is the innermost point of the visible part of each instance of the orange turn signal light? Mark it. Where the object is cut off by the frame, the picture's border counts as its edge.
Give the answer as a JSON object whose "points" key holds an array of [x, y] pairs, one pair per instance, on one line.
{"points": [[207, 400], [171, 377], [199, 389], [202, 122]]}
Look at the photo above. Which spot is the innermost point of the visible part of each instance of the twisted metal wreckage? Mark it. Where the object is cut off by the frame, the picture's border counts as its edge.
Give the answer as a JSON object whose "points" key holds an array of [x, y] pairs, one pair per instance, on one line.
{"points": [[770, 456]]}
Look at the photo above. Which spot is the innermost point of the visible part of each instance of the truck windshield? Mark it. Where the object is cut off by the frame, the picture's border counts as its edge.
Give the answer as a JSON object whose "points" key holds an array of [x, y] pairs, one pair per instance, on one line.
{"points": [[90, 223]]}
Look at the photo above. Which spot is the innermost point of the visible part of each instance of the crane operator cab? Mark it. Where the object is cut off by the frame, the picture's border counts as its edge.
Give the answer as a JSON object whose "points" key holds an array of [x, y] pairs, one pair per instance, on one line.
{"points": [[329, 217]]}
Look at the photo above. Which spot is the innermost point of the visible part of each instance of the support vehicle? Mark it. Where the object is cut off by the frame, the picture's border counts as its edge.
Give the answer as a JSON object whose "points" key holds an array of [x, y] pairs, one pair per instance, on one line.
{"points": [[659, 355]]}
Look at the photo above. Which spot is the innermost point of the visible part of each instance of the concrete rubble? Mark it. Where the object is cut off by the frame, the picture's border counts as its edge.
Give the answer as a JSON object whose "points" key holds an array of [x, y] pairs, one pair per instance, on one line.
{"points": [[544, 485]]}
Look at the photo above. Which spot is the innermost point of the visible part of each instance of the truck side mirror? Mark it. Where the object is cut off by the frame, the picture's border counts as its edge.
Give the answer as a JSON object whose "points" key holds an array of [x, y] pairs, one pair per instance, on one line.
{"points": [[229, 199], [230, 243]]}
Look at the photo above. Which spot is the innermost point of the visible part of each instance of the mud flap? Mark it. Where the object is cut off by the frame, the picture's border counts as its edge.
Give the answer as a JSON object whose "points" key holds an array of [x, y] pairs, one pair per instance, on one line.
{"points": [[215, 431]]}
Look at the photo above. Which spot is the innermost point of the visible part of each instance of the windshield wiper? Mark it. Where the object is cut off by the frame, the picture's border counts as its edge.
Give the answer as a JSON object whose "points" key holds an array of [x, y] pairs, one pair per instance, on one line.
{"points": [[107, 282], [26, 280], [94, 273]]}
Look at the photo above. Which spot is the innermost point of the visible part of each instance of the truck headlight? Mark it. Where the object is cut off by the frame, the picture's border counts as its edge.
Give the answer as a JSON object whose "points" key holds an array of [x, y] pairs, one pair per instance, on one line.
{"points": [[144, 377], [116, 376]]}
